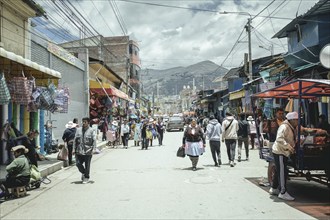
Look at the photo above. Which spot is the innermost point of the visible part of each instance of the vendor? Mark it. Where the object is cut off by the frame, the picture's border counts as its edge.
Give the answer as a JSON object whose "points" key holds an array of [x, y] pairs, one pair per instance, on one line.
{"points": [[18, 171], [323, 123]]}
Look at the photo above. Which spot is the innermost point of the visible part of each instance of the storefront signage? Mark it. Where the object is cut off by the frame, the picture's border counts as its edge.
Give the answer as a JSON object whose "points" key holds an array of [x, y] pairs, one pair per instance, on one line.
{"points": [[61, 53]]}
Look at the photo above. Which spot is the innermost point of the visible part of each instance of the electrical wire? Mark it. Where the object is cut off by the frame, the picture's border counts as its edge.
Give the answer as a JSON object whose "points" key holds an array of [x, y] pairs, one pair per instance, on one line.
{"points": [[101, 17], [117, 17], [263, 9]]}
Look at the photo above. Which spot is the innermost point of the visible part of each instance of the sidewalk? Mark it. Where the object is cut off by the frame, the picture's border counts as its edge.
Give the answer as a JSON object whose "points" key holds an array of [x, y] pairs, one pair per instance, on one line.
{"points": [[50, 165]]}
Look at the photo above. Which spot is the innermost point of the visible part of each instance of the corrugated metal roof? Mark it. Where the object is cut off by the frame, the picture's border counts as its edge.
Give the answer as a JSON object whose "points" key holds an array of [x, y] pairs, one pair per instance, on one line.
{"points": [[233, 72], [322, 7]]}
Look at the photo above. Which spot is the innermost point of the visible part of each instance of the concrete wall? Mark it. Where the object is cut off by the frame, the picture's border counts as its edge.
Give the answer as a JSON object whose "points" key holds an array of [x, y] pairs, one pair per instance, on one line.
{"points": [[73, 77], [12, 30]]}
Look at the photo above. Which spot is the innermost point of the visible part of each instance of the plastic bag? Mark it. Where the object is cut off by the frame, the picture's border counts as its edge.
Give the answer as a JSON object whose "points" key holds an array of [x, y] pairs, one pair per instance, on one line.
{"points": [[63, 153]]}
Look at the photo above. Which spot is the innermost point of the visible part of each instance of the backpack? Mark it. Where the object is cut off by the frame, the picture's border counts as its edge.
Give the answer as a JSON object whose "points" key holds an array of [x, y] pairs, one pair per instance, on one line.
{"points": [[242, 129]]}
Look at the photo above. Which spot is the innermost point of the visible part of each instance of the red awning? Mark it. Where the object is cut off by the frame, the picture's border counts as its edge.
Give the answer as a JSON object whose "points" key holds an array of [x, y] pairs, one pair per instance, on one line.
{"points": [[309, 88], [111, 92]]}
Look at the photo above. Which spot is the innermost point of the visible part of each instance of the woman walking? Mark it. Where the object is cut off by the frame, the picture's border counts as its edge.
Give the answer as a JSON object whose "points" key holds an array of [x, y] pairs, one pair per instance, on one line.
{"points": [[194, 143]]}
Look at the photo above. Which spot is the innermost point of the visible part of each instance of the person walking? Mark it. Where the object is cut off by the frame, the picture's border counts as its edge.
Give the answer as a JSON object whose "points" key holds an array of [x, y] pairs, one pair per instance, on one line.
{"points": [[242, 137], [229, 136], [213, 133], [283, 147], [68, 138], [144, 140], [194, 142], [160, 130], [137, 133], [252, 130], [84, 144], [124, 133]]}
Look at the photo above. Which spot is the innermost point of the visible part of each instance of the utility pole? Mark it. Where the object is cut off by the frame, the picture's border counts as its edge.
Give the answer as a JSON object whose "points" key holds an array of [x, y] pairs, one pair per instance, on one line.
{"points": [[157, 91], [128, 75], [153, 104], [248, 29]]}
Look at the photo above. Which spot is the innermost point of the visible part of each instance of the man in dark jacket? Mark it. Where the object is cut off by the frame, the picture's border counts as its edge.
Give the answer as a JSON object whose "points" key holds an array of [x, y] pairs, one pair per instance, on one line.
{"points": [[68, 138], [242, 136]]}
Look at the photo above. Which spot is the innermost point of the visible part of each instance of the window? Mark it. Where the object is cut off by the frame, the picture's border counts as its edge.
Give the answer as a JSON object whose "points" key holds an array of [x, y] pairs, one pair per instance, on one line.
{"points": [[130, 49]]}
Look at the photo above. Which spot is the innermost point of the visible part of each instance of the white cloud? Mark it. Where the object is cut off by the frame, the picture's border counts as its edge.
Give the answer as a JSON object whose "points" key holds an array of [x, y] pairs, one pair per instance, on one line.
{"points": [[170, 37]]}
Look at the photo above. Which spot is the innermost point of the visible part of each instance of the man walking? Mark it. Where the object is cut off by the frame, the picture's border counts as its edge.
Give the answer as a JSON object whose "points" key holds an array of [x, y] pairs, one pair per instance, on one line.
{"points": [[160, 130], [68, 137], [84, 143], [213, 132], [124, 133], [229, 136], [242, 133]]}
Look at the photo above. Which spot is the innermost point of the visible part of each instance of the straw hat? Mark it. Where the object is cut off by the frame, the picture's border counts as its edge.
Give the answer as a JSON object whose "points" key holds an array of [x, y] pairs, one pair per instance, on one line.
{"points": [[115, 123], [20, 147], [250, 118], [70, 124]]}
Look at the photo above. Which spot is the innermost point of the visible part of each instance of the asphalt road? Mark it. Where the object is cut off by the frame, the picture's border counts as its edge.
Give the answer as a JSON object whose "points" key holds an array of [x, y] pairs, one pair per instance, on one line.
{"points": [[155, 184]]}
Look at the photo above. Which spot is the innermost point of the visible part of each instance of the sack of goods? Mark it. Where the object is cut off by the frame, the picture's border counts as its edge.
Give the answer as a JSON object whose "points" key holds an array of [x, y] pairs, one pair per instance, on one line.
{"points": [[181, 152]]}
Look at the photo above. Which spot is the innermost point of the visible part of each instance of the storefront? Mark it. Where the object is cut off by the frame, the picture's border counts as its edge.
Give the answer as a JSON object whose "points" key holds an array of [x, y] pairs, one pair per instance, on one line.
{"points": [[107, 101], [237, 101], [20, 80]]}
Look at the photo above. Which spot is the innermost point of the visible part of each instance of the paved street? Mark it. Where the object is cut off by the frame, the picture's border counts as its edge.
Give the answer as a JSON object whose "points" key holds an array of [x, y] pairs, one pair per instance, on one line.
{"points": [[155, 184]]}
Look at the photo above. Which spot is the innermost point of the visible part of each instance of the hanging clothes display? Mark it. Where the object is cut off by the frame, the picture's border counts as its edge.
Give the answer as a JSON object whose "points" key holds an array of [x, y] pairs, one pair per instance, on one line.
{"points": [[4, 91], [20, 89]]}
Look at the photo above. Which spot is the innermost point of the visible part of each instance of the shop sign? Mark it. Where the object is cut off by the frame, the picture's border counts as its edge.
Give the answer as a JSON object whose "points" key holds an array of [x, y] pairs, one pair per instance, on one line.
{"points": [[267, 85], [61, 53]]}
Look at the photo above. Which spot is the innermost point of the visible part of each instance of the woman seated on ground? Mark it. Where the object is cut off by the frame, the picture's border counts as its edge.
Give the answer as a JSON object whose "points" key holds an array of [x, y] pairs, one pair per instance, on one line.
{"points": [[18, 171]]}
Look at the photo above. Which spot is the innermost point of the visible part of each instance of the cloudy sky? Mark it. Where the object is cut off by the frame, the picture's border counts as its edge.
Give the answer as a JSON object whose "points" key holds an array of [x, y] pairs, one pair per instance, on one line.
{"points": [[175, 33]]}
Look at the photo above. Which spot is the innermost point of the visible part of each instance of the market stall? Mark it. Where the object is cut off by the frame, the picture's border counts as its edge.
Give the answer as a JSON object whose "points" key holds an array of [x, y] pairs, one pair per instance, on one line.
{"points": [[312, 150]]}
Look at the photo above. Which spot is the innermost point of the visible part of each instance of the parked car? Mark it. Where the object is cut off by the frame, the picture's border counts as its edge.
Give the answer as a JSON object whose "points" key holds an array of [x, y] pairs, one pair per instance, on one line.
{"points": [[175, 123]]}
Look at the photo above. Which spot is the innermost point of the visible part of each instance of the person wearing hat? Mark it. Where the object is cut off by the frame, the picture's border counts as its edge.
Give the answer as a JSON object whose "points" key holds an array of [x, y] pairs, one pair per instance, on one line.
{"points": [[18, 171], [252, 130], [83, 144], [283, 147], [68, 137]]}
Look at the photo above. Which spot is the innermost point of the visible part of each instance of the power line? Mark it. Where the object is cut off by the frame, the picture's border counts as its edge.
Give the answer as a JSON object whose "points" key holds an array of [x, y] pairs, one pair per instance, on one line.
{"points": [[232, 48], [263, 9], [118, 18], [71, 13], [100, 15]]}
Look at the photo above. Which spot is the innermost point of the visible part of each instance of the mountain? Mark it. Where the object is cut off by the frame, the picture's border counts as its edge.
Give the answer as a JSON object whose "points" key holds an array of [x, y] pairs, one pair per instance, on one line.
{"points": [[171, 81]]}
